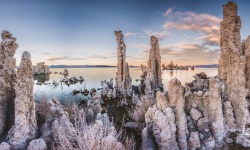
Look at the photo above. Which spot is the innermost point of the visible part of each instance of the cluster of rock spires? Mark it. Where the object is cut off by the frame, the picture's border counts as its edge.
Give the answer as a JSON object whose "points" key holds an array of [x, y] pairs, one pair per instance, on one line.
{"points": [[207, 113], [41, 68], [171, 66]]}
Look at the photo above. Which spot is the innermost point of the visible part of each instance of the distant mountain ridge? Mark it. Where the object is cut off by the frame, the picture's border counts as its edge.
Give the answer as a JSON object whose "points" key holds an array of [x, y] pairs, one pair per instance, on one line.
{"points": [[206, 66], [86, 66]]}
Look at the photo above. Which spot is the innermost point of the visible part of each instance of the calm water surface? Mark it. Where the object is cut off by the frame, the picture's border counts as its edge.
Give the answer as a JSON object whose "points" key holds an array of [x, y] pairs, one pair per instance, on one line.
{"points": [[94, 76]]}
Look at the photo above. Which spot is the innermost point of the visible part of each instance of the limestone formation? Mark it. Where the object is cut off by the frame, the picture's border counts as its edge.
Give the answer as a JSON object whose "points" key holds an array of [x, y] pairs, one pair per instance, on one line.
{"points": [[5, 146], [108, 91], [41, 68], [37, 144], [194, 141], [147, 140], [177, 101], [199, 84], [65, 71], [200, 120], [57, 124], [154, 74], [8, 48], [25, 126], [232, 63], [215, 110], [230, 122], [246, 52], [123, 79], [162, 124]]}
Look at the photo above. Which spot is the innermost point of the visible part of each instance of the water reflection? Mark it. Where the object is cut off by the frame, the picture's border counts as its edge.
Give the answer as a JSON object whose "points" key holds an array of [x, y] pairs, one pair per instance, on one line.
{"points": [[41, 78], [94, 76]]}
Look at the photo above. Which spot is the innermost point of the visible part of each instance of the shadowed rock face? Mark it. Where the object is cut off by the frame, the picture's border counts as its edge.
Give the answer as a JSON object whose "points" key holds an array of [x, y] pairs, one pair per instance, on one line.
{"points": [[246, 51], [25, 125], [232, 64], [7, 80], [123, 79]]}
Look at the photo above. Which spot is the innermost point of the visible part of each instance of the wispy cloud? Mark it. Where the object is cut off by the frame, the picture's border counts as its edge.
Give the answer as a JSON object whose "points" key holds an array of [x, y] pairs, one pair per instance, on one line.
{"points": [[190, 54], [46, 53], [160, 35], [207, 24], [55, 58], [186, 46], [98, 56], [169, 11], [131, 34], [139, 46]]}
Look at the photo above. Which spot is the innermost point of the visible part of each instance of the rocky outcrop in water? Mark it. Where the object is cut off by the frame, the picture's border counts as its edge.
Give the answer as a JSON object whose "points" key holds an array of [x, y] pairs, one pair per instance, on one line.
{"points": [[41, 68], [123, 79], [25, 126], [171, 66], [232, 64], [8, 48]]}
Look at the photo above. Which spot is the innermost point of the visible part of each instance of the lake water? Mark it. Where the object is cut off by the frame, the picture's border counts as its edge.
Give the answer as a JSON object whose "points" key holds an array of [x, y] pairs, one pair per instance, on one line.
{"points": [[94, 76]]}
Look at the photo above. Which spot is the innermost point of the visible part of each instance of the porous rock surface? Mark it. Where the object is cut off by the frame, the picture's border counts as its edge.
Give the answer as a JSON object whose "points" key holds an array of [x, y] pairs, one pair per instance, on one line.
{"points": [[5, 146], [37, 144]]}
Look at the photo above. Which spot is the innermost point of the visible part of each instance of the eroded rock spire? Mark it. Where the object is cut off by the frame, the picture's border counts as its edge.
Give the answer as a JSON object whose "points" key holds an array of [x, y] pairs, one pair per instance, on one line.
{"points": [[123, 79], [153, 73], [25, 125], [232, 64], [154, 62]]}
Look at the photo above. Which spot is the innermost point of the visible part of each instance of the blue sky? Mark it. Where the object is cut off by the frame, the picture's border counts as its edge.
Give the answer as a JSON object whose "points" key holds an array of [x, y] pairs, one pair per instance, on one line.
{"points": [[82, 32]]}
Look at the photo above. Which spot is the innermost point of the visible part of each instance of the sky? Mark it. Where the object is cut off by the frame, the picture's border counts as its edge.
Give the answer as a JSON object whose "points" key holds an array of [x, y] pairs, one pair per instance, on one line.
{"points": [[81, 32]]}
